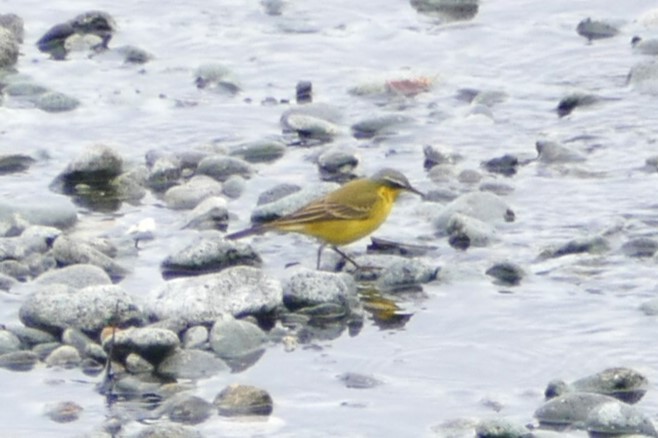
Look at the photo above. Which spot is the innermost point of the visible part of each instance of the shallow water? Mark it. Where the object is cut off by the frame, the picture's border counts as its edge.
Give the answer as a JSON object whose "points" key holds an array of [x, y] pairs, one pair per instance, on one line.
{"points": [[468, 346]]}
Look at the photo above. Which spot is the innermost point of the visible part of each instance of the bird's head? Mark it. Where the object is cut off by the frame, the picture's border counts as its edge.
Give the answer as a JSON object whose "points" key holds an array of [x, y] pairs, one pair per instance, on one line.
{"points": [[396, 181]]}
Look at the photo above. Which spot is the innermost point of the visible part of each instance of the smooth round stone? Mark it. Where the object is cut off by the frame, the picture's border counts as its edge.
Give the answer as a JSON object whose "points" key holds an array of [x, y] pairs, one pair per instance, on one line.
{"points": [[30, 337], [68, 251], [317, 120], [14, 24], [617, 418], [645, 46], [260, 151], [56, 102], [288, 204], [477, 232], [210, 214], [44, 350], [624, 384], [15, 163], [551, 152], [164, 173], [483, 206], [643, 76], [469, 176], [191, 364], [64, 412], [448, 10], [234, 186], [380, 125], [195, 337], [169, 431], [506, 165], [9, 342], [19, 360], [217, 77], [568, 103], [153, 344], [596, 29], [640, 247], [221, 167], [64, 356], [337, 164], [570, 409], [238, 290], [58, 307], [359, 381], [210, 252], [404, 274], [76, 276], [591, 245], [280, 191], [500, 428], [243, 400], [77, 339], [51, 212], [650, 308], [186, 409], [232, 338], [7, 282], [9, 48], [506, 273], [136, 364], [191, 193], [310, 287]]}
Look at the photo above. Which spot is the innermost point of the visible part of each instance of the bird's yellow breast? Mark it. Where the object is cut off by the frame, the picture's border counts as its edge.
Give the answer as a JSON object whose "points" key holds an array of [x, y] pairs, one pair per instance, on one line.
{"points": [[345, 231]]}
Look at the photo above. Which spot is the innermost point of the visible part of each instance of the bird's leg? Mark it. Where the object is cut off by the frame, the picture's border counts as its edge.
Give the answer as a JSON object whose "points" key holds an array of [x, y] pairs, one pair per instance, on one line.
{"points": [[320, 255], [346, 257]]}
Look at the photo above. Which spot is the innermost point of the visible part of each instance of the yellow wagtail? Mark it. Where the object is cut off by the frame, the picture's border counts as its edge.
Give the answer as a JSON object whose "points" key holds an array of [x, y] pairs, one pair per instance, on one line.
{"points": [[343, 216]]}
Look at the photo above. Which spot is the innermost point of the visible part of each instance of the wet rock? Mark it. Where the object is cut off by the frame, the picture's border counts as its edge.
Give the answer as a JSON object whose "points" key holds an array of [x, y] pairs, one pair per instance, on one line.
{"points": [[186, 409], [89, 177], [221, 167], [404, 274], [237, 290], [260, 151], [483, 206], [290, 203], [130, 185], [77, 339], [645, 46], [469, 176], [9, 48], [218, 78], [643, 77], [436, 155], [133, 55], [164, 173], [337, 165], [500, 428], [616, 418], [76, 276], [19, 360], [50, 212], [14, 163], [506, 273], [243, 400], [497, 188], [64, 412], [43, 350], [590, 245], [56, 102], [568, 103], [550, 152], [64, 356], [312, 121], [640, 247], [380, 125], [136, 364], [624, 384], [9, 342], [195, 337], [168, 431], [464, 231], [24, 88], [570, 410], [15, 269], [14, 24], [310, 287], [68, 251], [359, 381], [7, 282], [233, 186], [153, 344], [506, 165], [54, 308], [447, 10], [96, 26], [232, 338], [30, 337], [209, 253], [596, 29], [191, 193], [210, 214], [280, 191], [191, 364]]}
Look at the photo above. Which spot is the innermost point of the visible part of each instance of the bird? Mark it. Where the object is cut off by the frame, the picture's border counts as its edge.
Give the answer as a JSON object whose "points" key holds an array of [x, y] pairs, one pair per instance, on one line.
{"points": [[343, 216]]}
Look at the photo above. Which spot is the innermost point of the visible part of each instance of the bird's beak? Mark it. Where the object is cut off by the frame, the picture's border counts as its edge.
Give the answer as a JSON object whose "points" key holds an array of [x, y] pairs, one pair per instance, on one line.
{"points": [[416, 191]]}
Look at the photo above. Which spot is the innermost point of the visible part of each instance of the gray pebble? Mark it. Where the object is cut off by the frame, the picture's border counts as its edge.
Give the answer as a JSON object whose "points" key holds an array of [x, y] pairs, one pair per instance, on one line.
{"points": [[19, 360], [192, 192], [238, 290], [57, 307], [195, 337], [70, 251], [241, 400], [217, 78], [379, 125], [500, 428], [234, 186], [570, 409], [56, 102], [310, 287], [9, 48], [136, 364], [77, 339], [337, 165], [591, 245], [231, 338], [77, 276], [506, 273], [30, 337], [210, 252], [221, 167], [191, 364], [596, 29], [14, 24], [359, 381], [617, 418], [168, 431], [551, 152], [64, 412], [52, 212], [164, 173], [9, 342], [64, 356], [260, 151], [621, 383], [186, 409], [153, 344], [448, 10], [640, 247], [483, 206]]}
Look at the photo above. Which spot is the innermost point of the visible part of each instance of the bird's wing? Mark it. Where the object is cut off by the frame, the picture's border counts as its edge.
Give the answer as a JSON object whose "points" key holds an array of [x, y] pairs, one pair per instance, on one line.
{"points": [[325, 210]]}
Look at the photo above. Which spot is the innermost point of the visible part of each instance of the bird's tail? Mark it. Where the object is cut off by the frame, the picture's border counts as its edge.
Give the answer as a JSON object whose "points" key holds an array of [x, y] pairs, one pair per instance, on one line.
{"points": [[256, 229]]}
